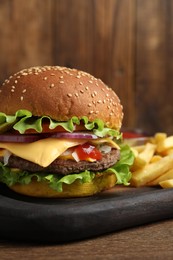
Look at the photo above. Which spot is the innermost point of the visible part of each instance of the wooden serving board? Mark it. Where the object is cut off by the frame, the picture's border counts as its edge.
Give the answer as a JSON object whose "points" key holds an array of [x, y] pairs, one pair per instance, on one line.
{"points": [[64, 220]]}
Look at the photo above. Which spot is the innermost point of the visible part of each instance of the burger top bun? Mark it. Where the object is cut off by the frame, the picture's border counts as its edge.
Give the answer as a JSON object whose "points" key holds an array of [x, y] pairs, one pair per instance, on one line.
{"points": [[61, 93]]}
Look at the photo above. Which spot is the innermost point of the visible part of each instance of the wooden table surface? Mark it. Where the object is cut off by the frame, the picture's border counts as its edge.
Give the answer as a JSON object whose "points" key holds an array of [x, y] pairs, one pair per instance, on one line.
{"points": [[153, 241]]}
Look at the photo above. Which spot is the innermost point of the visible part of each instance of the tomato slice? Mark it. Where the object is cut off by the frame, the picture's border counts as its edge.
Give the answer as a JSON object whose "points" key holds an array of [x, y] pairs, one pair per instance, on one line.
{"points": [[86, 151], [45, 127]]}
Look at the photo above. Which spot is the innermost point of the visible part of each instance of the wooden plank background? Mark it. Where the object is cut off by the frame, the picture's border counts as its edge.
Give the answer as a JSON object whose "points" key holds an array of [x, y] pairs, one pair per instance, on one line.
{"points": [[126, 43]]}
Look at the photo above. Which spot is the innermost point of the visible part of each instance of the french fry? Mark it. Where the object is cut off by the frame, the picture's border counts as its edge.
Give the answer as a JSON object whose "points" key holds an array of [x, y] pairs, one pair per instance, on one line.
{"points": [[148, 152], [141, 159], [167, 152], [159, 137], [155, 158], [165, 144], [166, 184], [151, 171], [153, 164], [138, 164], [166, 176], [139, 148]]}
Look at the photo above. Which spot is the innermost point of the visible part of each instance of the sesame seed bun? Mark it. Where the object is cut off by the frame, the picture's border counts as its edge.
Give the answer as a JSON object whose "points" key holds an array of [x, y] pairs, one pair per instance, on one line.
{"points": [[61, 93]]}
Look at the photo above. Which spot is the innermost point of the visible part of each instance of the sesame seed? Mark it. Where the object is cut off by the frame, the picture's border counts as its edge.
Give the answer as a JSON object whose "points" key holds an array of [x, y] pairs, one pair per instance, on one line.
{"points": [[45, 78], [12, 90], [107, 95], [81, 91], [76, 94], [24, 91], [15, 81], [99, 101], [90, 81], [52, 85], [21, 98], [86, 88], [95, 93], [92, 95], [108, 107], [13, 86], [93, 102], [91, 112], [69, 95], [61, 77], [52, 74], [89, 105], [78, 76], [80, 83], [61, 82]]}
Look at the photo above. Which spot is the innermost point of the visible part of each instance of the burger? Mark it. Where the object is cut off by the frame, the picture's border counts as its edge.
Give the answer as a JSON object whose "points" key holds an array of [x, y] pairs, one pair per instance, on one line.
{"points": [[60, 134]]}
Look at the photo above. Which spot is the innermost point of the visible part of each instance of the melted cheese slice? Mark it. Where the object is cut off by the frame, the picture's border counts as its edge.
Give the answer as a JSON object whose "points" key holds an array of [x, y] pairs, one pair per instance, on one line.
{"points": [[42, 152], [105, 140], [45, 151]]}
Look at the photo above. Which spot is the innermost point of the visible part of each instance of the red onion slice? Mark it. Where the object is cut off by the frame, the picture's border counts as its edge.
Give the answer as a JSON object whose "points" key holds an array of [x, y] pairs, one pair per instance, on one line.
{"points": [[74, 135], [28, 138], [19, 138]]}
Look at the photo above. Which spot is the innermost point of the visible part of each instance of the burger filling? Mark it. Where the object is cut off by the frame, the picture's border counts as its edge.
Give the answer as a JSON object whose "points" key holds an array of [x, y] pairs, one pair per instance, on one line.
{"points": [[66, 166], [29, 151]]}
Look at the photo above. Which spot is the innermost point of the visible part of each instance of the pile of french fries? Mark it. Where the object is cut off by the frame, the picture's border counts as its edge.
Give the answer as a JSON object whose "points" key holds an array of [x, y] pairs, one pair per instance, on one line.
{"points": [[153, 164]]}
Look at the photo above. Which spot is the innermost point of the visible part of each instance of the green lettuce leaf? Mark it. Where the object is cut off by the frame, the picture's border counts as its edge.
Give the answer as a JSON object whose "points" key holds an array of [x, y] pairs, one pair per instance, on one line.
{"points": [[11, 177], [24, 120], [120, 169]]}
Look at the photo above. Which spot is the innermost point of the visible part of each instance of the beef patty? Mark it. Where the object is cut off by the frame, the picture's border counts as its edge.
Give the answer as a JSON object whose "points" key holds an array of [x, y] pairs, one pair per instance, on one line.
{"points": [[66, 166]]}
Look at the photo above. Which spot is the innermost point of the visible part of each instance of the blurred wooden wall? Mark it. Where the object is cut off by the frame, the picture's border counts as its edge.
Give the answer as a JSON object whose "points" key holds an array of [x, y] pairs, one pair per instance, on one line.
{"points": [[126, 43]]}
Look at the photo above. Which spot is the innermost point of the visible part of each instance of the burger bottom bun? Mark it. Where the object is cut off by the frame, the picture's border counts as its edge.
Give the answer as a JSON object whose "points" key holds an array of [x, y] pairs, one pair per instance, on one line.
{"points": [[76, 189]]}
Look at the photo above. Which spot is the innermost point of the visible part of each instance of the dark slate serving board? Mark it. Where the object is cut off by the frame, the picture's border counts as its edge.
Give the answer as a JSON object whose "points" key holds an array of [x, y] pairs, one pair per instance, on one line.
{"points": [[64, 220]]}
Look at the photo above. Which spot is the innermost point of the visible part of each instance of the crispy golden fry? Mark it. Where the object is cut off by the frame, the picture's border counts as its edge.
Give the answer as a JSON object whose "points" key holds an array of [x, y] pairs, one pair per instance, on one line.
{"points": [[160, 137], [157, 138], [165, 144], [138, 164], [153, 164], [148, 152], [139, 148], [155, 158], [166, 152], [166, 184], [144, 157], [166, 176], [151, 171]]}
